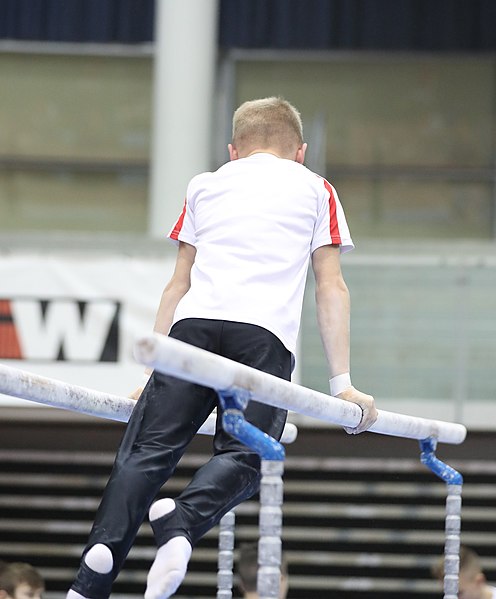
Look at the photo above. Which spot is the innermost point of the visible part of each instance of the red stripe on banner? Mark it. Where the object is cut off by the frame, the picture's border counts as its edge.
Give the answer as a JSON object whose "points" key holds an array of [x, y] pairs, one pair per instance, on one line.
{"points": [[9, 343], [333, 224], [174, 234]]}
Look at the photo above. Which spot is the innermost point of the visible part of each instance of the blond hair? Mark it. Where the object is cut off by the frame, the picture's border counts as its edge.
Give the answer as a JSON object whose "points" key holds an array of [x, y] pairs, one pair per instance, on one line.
{"points": [[267, 123]]}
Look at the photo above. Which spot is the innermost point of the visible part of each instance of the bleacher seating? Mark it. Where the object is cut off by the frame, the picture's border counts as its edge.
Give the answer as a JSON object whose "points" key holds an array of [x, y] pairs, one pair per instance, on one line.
{"points": [[354, 527]]}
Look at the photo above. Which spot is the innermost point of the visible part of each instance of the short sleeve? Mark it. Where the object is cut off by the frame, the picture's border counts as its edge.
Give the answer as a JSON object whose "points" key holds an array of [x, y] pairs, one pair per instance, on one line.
{"points": [[183, 229], [331, 227]]}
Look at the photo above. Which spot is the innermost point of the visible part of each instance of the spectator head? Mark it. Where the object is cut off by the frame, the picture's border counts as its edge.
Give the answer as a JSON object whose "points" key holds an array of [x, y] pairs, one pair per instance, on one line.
{"points": [[20, 580], [248, 571]]}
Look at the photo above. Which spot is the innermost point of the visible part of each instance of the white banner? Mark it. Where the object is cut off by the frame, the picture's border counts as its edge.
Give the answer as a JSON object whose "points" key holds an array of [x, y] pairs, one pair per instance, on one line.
{"points": [[75, 318]]}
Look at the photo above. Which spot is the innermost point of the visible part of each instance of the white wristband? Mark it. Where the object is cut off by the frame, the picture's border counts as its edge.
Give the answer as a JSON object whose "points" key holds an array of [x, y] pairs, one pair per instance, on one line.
{"points": [[339, 383]]}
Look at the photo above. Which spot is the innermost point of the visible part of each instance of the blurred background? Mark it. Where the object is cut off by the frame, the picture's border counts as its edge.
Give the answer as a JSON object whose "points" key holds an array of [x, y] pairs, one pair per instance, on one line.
{"points": [[108, 107]]}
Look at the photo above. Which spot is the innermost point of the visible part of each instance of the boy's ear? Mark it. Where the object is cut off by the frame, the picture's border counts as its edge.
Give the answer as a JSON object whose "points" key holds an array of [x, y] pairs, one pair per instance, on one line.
{"points": [[300, 153], [233, 153]]}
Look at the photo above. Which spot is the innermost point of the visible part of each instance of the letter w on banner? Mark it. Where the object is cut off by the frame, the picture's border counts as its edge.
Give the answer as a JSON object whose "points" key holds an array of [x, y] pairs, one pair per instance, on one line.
{"points": [[59, 329]]}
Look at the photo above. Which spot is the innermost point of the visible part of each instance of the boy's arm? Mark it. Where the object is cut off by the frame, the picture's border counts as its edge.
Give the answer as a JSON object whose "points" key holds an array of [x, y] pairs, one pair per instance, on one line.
{"points": [[333, 316], [175, 289]]}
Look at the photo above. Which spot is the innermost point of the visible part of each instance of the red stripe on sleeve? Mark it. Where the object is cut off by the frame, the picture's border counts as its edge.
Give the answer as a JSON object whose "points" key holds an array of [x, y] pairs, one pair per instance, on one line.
{"points": [[176, 229], [333, 219]]}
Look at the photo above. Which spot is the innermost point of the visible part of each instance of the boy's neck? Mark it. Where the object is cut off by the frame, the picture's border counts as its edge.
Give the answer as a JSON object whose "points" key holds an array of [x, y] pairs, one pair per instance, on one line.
{"points": [[264, 151]]}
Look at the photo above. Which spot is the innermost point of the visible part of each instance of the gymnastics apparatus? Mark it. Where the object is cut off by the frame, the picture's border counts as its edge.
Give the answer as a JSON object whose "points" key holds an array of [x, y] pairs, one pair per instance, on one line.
{"points": [[236, 384]]}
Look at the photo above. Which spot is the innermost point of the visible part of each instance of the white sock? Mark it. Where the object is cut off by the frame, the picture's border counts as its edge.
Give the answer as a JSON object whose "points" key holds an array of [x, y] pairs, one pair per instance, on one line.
{"points": [[161, 508], [168, 569], [99, 558]]}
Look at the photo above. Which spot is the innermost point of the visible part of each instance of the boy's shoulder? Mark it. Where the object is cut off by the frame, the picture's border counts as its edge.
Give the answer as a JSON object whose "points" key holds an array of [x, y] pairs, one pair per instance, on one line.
{"points": [[267, 165]]}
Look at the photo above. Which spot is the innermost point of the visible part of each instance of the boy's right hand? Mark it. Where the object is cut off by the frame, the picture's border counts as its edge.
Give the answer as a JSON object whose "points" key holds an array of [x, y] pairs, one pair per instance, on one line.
{"points": [[366, 403]]}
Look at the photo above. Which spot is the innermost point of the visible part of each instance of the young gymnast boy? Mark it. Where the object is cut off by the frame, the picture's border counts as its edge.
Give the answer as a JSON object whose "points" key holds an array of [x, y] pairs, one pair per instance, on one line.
{"points": [[246, 236]]}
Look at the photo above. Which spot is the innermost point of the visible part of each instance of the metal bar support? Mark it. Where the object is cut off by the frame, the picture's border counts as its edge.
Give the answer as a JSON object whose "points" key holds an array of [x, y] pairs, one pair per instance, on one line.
{"points": [[454, 482], [272, 455], [226, 556]]}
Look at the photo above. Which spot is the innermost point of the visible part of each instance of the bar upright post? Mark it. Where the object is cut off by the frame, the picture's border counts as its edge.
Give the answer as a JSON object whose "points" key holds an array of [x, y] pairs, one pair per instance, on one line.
{"points": [[454, 482], [225, 558], [271, 488]]}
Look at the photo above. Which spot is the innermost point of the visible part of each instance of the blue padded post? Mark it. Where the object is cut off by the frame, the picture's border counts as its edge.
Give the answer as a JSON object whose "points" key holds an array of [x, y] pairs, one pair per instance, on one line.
{"points": [[234, 403]]}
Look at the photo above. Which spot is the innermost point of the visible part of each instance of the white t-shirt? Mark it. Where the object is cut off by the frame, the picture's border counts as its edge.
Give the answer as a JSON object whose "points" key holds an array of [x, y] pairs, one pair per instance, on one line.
{"points": [[255, 223], [493, 590]]}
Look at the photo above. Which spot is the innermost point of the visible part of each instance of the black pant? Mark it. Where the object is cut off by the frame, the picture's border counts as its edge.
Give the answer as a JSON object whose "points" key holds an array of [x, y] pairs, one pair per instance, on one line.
{"points": [[166, 418]]}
